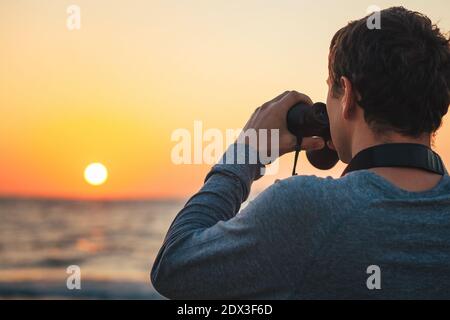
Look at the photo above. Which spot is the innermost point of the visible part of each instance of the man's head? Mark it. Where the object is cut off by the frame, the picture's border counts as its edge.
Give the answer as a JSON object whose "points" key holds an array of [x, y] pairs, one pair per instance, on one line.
{"points": [[393, 80]]}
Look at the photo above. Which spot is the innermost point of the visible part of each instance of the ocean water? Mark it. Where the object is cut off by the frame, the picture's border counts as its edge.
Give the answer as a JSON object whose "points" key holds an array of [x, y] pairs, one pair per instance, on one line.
{"points": [[113, 243]]}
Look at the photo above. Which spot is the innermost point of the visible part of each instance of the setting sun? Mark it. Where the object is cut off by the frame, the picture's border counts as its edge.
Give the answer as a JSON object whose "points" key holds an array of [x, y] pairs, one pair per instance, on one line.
{"points": [[95, 174]]}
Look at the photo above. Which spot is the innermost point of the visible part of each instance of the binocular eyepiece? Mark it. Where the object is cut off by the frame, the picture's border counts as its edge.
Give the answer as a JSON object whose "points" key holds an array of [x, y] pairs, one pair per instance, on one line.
{"points": [[306, 121]]}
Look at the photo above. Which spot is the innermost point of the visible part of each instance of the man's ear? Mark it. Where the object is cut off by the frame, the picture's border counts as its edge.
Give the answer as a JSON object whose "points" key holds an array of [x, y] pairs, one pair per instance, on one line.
{"points": [[348, 98]]}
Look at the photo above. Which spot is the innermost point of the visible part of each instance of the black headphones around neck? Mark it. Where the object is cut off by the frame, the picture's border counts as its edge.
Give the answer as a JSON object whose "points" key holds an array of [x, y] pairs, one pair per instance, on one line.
{"points": [[411, 155]]}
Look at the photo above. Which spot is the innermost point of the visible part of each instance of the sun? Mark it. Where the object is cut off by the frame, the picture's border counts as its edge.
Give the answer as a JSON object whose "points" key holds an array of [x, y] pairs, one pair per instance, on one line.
{"points": [[95, 174]]}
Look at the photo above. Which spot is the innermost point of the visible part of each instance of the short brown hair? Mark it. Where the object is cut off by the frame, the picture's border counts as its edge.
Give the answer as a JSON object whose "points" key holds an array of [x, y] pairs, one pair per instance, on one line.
{"points": [[400, 71]]}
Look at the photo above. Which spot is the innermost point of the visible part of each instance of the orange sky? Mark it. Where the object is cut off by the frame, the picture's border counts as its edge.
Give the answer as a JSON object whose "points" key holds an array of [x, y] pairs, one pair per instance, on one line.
{"points": [[114, 91]]}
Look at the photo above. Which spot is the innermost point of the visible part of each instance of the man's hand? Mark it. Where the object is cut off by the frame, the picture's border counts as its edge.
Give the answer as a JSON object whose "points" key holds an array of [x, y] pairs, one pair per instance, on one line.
{"points": [[272, 115]]}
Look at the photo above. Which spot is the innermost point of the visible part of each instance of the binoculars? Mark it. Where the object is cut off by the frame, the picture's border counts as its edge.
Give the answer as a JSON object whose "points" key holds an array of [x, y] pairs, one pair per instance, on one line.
{"points": [[306, 121]]}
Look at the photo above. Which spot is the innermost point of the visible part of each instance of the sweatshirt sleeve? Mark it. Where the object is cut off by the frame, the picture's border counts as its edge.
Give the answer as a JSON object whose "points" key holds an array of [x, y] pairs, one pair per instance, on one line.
{"points": [[210, 252]]}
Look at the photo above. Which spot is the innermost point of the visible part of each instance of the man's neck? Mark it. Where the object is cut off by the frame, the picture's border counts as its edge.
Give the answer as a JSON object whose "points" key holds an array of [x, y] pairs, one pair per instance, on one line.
{"points": [[409, 179], [364, 141]]}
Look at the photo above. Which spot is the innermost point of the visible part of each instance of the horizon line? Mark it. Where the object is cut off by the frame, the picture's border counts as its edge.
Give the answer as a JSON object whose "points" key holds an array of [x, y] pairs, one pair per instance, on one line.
{"points": [[12, 197]]}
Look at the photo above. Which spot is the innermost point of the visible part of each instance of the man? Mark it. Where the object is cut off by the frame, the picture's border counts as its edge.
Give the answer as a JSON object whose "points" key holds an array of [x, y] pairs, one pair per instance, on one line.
{"points": [[376, 233]]}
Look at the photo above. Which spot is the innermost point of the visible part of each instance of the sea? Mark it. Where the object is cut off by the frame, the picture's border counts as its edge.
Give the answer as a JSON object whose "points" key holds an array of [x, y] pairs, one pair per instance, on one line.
{"points": [[111, 243]]}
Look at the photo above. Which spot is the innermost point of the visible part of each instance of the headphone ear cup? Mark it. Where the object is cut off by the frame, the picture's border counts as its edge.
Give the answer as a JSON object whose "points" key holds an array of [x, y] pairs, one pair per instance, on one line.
{"points": [[323, 159]]}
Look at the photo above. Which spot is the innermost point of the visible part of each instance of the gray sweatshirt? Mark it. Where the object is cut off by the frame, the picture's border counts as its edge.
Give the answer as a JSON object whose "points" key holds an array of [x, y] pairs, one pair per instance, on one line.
{"points": [[307, 237]]}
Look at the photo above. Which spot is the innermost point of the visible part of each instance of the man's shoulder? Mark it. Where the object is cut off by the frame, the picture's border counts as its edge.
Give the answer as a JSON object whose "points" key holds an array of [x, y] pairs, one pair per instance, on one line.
{"points": [[305, 204], [315, 185], [318, 195]]}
